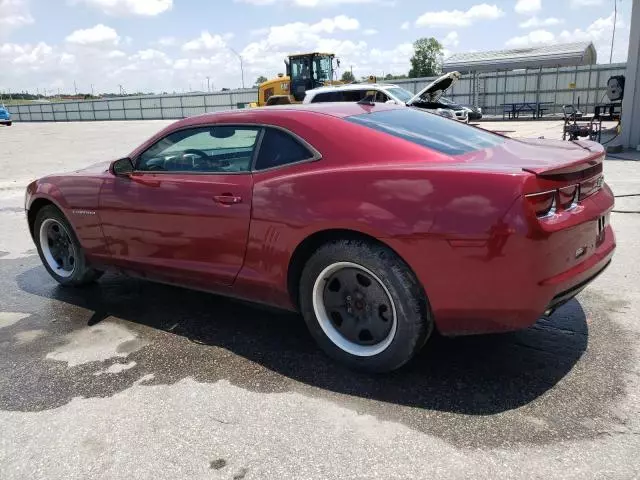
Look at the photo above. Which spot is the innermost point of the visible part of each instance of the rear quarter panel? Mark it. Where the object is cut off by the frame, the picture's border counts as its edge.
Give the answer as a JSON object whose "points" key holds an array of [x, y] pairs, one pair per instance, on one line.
{"points": [[414, 210]]}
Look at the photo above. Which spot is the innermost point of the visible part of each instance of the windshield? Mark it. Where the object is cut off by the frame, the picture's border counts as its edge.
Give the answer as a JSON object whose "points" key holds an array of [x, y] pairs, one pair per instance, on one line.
{"points": [[429, 130], [400, 93]]}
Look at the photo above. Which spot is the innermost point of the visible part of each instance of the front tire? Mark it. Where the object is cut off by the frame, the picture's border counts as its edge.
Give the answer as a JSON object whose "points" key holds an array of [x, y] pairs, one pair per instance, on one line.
{"points": [[364, 306], [60, 250]]}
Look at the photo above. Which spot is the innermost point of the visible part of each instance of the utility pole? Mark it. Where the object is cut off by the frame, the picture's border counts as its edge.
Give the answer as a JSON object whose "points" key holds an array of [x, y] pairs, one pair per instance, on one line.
{"points": [[92, 89], [75, 87], [613, 36], [241, 64], [121, 90], [208, 85]]}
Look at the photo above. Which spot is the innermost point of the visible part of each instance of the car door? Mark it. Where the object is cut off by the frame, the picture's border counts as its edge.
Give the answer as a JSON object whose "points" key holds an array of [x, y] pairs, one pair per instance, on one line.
{"points": [[183, 214]]}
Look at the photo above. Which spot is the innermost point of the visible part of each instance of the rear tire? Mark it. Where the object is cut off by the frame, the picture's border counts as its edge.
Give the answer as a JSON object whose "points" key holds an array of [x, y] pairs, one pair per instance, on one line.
{"points": [[364, 306], [60, 250]]}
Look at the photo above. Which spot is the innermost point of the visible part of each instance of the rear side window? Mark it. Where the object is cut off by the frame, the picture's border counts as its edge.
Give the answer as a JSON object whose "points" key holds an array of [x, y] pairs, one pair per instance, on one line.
{"points": [[339, 96], [429, 130], [279, 148], [325, 97]]}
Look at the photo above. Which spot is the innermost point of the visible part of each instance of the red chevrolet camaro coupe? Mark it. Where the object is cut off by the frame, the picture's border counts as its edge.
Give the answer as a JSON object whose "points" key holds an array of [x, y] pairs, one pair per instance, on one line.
{"points": [[378, 223]]}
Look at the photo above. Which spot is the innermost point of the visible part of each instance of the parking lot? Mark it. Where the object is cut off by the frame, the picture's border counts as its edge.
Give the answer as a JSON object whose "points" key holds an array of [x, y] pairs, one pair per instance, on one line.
{"points": [[129, 379]]}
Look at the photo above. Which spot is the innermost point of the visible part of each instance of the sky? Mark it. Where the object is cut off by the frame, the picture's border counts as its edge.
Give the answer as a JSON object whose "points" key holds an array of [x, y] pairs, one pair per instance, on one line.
{"points": [[174, 45]]}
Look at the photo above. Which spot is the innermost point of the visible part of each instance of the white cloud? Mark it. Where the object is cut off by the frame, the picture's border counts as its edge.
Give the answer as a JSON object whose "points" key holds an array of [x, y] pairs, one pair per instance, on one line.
{"points": [[405, 26], [33, 56], [458, 18], [309, 3], [116, 54], [600, 33], [302, 35], [535, 37], [166, 41], [370, 31], [98, 35], [586, 3], [527, 7], [205, 41], [535, 22], [129, 7], [329, 25], [451, 39], [14, 14], [382, 62]]}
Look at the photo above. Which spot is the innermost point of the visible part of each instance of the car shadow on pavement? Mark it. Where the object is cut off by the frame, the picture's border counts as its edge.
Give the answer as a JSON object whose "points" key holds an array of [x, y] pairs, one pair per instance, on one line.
{"points": [[475, 375]]}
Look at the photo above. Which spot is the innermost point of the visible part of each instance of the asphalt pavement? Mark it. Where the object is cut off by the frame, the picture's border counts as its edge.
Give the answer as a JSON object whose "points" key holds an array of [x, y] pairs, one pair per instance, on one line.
{"points": [[130, 379]]}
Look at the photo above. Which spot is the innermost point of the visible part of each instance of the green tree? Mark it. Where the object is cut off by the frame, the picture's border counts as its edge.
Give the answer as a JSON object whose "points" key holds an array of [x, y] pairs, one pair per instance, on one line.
{"points": [[259, 80], [427, 58], [347, 77]]}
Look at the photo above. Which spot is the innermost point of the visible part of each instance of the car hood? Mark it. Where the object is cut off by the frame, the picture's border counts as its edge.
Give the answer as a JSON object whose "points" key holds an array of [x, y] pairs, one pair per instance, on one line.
{"points": [[95, 169], [433, 91]]}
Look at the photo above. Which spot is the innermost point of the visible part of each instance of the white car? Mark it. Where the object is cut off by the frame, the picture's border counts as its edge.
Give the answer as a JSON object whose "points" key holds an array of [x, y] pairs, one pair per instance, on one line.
{"points": [[428, 98]]}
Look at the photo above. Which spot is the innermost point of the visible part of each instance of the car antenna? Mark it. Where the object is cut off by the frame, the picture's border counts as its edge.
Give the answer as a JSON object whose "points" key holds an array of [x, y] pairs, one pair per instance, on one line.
{"points": [[367, 100]]}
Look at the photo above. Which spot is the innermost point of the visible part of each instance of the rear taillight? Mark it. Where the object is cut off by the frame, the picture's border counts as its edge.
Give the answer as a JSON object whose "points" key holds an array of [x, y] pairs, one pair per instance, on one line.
{"points": [[546, 204], [543, 204], [568, 196], [591, 186]]}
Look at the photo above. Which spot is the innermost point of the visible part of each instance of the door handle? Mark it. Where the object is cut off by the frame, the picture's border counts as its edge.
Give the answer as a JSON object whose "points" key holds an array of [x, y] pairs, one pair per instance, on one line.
{"points": [[227, 199], [145, 181]]}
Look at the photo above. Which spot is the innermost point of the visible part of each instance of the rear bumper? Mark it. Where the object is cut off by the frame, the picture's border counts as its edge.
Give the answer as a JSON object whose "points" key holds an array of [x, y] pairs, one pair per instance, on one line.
{"points": [[508, 279], [571, 282], [502, 304]]}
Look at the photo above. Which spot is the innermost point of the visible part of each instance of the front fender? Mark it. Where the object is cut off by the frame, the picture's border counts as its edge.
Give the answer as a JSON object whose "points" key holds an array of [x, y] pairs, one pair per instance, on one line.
{"points": [[78, 203]]}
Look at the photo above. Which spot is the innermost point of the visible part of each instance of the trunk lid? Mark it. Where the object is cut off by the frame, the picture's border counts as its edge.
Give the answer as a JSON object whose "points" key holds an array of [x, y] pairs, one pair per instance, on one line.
{"points": [[549, 159]]}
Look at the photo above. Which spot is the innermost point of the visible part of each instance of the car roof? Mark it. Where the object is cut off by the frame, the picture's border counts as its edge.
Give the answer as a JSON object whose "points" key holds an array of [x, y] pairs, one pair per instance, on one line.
{"points": [[354, 86], [255, 115]]}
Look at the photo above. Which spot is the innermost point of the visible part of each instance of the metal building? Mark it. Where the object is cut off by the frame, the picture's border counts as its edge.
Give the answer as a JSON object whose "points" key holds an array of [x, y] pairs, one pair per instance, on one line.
{"points": [[560, 55], [631, 103]]}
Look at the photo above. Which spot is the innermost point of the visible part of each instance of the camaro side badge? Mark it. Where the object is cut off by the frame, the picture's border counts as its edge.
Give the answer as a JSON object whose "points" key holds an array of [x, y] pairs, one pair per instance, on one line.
{"points": [[83, 212]]}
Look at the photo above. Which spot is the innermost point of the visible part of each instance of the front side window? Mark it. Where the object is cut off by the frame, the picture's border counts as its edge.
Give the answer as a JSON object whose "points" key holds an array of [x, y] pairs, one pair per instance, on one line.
{"points": [[279, 148], [381, 97], [429, 130], [300, 68], [214, 149]]}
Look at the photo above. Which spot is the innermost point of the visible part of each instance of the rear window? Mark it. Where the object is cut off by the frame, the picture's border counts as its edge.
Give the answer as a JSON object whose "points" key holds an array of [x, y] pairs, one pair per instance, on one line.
{"points": [[429, 130]]}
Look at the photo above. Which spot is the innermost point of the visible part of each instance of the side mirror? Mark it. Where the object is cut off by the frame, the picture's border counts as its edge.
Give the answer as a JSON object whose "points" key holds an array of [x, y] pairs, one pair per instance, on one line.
{"points": [[122, 167], [391, 102]]}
